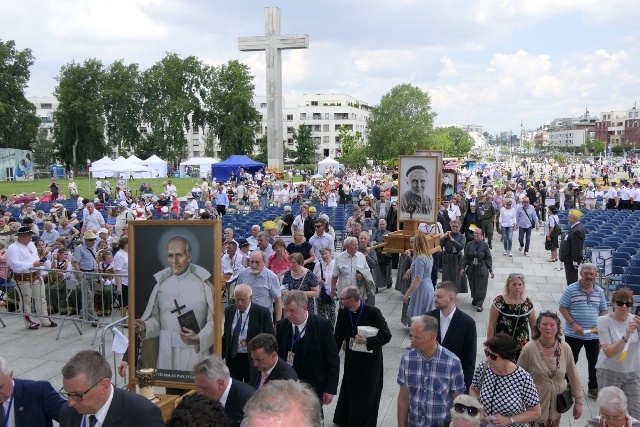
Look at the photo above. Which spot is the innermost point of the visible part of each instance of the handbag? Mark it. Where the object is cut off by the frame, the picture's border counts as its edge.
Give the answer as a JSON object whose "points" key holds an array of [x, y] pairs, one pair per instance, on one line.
{"points": [[325, 298], [564, 401]]}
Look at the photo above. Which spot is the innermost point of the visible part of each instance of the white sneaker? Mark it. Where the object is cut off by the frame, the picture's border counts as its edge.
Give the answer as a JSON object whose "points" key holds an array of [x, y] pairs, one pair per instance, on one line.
{"points": [[510, 254], [505, 252]]}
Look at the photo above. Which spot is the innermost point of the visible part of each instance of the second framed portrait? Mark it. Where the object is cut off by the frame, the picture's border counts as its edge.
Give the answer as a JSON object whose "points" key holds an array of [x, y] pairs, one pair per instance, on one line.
{"points": [[175, 297], [418, 182]]}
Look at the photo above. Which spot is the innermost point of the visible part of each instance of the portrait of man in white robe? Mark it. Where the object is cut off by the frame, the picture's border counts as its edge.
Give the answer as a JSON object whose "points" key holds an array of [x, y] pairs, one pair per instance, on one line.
{"points": [[181, 296]]}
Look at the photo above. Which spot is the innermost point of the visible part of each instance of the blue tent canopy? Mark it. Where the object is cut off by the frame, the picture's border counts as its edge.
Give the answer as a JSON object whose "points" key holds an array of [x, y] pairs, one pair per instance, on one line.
{"points": [[222, 171]]}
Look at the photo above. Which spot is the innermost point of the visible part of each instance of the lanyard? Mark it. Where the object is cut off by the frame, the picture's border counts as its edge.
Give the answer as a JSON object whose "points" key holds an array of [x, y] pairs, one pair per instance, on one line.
{"points": [[354, 328], [295, 338], [8, 414], [476, 247], [246, 319]]}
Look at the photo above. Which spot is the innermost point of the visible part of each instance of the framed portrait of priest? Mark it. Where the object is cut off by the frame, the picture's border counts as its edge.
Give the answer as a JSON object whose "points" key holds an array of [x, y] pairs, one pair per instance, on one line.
{"points": [[430, 153], [175, 297], [448, 182], [418, 182]]}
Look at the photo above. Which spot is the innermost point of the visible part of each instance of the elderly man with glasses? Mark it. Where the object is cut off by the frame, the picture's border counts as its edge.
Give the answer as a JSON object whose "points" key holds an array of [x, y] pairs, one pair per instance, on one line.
{"points": [[93, 400]]}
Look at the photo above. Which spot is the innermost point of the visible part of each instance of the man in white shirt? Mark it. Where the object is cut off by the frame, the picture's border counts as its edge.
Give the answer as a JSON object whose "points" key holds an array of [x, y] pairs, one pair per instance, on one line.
{"points": [[253, 239], [232, 259], [213, 381], [348, 263], [91, 218], [462, 341]]}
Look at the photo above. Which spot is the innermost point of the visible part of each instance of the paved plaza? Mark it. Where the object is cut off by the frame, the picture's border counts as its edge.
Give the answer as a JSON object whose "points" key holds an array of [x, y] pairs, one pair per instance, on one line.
{"points": [[38, 355]]}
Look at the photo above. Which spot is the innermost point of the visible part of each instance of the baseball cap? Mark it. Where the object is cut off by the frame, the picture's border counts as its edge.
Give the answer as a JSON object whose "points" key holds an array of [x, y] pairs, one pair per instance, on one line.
{"points": [[123, 204], [312, 209], [103, 230]]}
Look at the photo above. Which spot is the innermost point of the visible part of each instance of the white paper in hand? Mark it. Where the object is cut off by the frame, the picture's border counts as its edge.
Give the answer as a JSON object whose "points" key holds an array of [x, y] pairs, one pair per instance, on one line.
{"points": [[120, 342], [367, 332]]}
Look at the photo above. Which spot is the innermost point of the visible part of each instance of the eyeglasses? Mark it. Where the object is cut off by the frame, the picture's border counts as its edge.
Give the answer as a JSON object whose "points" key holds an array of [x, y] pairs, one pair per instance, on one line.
{"points": [[612, 417], [490, 355], [514, 276], [471, 410], [626, 303], [77, 396]]}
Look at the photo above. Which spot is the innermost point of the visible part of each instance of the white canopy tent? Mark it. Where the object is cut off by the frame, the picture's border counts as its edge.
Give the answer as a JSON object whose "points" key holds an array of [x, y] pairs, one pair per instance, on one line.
{"points": [[326, 164], [99, 165], [134, 159], [204, 163], [119, 166], [157, 166]]}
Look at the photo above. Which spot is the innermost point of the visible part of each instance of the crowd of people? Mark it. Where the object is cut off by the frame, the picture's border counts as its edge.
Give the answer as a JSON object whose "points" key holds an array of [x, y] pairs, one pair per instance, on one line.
{"points": [[296, 305]]}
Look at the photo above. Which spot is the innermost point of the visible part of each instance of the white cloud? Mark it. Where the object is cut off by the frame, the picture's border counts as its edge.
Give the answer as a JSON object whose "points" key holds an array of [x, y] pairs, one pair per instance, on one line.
{"points": [[448, 68]]}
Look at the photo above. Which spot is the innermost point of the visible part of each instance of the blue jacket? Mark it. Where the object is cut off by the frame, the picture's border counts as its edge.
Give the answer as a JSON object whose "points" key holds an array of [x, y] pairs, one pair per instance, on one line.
{"points": [[35, 403]]}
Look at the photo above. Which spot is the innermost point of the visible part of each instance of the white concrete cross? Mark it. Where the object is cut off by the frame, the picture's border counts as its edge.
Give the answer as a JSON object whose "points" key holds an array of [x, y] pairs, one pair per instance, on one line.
{"points": [[273, 43]]}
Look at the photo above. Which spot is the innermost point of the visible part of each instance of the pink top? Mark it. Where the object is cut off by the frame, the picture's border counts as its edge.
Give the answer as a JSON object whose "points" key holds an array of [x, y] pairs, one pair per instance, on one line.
{"points": [[277, 266]]}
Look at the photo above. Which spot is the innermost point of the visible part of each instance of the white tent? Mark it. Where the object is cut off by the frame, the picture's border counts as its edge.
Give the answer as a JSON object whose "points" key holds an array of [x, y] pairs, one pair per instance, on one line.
{"points": [[157, 166], [326, 164], [121, 165], [204, 163], [100, 164], [133, 159]]}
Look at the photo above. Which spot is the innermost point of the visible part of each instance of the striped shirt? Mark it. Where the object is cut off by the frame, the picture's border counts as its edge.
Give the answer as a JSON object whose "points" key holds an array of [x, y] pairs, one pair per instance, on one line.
{"points": [[431, 385], [584, 308]]}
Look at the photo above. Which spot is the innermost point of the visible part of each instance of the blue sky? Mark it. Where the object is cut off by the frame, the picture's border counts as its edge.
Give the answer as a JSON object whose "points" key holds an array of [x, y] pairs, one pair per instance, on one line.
{"points": [[489, 62]]}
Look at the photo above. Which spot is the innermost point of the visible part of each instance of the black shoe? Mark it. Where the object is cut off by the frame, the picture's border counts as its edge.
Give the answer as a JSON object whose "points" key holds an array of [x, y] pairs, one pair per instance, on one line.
{"points": [[473, 303], [479, 309], [490, 247], [389, 285]]}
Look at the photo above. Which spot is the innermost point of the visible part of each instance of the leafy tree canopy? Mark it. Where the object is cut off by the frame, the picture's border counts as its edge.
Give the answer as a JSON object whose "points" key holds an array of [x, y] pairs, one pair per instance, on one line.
{"points": [[18, 120], [306, 149], [400, 124]]}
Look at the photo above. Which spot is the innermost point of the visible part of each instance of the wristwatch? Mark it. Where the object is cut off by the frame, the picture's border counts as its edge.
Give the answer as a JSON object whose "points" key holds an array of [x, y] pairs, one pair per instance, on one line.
{"points": [[513, 422]]}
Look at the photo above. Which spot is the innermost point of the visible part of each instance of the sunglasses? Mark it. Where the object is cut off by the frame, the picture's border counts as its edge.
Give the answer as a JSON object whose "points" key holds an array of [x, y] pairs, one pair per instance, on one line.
{"points": [[627, 303], [471, 410], [514, 276], [490, 355]]}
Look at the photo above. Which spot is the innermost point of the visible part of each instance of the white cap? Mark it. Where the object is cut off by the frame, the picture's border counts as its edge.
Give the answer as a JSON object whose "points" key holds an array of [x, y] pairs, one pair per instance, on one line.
{"points": [[103, 230]]}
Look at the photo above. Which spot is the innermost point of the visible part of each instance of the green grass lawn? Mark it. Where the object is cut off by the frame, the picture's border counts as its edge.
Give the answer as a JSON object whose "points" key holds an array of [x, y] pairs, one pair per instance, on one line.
{"points": [[86, 186]]}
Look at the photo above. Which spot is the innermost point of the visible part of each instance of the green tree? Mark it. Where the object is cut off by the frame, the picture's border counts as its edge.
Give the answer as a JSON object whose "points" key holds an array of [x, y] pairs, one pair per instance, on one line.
{"points": [[122, 105], [230, 111], [598, 146], [172, 89], [353, 151], [79, 120], [209, 141], [261, 155], [306, 149], [616, 149], [400, 124], [43, 149], [452, 140], [18, 120]]}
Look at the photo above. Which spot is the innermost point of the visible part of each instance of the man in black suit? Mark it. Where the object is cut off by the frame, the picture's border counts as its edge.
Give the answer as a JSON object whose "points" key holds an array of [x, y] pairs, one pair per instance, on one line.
{"points": [[213, 381], [571, 247], [306, 341], [268, 365], [86, 380], [456, 329], [27, 403], [254, 319]]}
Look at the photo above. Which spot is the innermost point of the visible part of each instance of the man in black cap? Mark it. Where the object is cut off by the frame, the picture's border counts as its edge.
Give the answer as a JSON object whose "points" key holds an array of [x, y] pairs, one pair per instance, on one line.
{"points": [[22, 256]]}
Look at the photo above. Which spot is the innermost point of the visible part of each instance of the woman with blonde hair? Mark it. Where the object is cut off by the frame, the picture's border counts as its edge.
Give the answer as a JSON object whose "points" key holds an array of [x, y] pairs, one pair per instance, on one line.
{"points": [[512, 312], [619, 355], [420, 292]]}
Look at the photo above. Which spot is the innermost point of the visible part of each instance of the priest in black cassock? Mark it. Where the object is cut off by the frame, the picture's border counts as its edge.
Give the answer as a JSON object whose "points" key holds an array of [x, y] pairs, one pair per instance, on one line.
{"points": [[361, 387]]}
